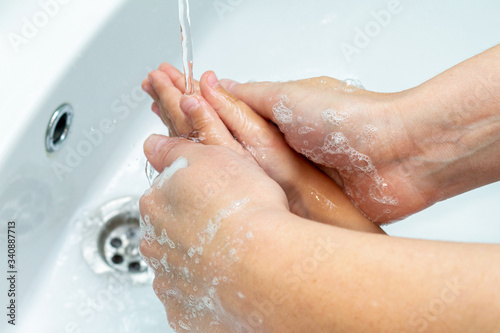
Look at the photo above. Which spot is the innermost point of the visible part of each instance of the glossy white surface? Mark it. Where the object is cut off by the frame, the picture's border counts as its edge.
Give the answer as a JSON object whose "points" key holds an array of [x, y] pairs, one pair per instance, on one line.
{"points": [[93, 55]]}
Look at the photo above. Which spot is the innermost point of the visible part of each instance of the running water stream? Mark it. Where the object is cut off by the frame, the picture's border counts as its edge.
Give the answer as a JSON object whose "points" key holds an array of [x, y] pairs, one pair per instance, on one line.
{"points": [[187, 45], [187, 58]]}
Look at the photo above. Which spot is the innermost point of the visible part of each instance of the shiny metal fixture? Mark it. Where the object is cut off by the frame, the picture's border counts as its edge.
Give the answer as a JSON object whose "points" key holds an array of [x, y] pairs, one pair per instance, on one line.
{"points": [[58, 128], [111, 239]]}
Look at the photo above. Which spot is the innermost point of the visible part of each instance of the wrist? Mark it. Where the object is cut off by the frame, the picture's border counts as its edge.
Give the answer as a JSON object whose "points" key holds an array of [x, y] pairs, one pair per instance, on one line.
{"points": [[455, 141], [251, 296]]}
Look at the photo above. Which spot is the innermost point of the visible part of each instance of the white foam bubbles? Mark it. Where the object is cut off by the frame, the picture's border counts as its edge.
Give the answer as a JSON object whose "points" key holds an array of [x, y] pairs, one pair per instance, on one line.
{"points": [[208, 302], [155, 263], [337, 144], [351, 85], [233, 254], [383, 193], [337, 118], [369, 133], [180, 163], [184, 326], [191, 252], [147, 229], [215, 223], [164, 262], [305, 130], [165, 239], [283, 113], [362, 162]]}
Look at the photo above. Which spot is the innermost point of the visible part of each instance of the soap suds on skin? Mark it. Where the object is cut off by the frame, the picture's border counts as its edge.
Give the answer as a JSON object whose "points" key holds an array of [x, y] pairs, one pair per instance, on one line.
{"points": [[282, 113], [199, 300], [147, 229], [305, 130], [180, 163], [336, 150], [165, 239], [351, 85], [336, 145], [215, 223], [370, 133], [336, 118]]}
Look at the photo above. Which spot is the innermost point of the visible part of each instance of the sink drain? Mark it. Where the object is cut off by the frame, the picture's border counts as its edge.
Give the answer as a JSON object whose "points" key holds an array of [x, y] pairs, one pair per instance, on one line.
{"points": [[119, 243], [111, 240]]}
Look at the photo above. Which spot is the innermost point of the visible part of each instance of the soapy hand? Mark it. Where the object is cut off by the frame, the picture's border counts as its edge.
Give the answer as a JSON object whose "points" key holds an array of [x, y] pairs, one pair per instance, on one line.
{"points": [[215, 117], [359, 138], [200, 217]]}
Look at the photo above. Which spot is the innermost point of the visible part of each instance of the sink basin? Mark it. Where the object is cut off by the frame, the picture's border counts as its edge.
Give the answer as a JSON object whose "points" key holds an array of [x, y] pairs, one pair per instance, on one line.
{"points": [[93, 56]]}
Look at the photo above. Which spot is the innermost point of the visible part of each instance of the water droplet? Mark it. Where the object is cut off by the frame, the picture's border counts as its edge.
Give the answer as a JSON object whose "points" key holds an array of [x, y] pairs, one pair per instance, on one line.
{"points": [[351, 85], [151, 173]]}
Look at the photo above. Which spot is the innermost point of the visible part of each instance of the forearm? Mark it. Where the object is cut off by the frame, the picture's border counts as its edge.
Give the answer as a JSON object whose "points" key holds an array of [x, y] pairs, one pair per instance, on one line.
{"points": [[458, 136], [317, 278]]}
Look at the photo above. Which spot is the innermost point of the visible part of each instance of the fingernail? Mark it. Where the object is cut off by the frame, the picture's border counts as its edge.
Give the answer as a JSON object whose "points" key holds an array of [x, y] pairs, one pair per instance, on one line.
{"points": [[154, 144], [228, 84], [150, 79], [212, 80], [155, 108], [189, 103]]}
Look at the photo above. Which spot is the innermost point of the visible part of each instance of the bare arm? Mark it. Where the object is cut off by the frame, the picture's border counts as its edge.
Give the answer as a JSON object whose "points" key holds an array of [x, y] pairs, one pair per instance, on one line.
{"points": [[317, 278], [234, 259], [432, 142], [459, 133]]}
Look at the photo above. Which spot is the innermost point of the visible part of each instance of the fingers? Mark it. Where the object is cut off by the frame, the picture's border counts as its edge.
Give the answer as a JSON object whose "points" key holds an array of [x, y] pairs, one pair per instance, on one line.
{"points": [[238, 117], [186, 114], [261, 97], [177, 77], [156, 109], [262, 139], [168, 99], [148, 87], [204, 120]]}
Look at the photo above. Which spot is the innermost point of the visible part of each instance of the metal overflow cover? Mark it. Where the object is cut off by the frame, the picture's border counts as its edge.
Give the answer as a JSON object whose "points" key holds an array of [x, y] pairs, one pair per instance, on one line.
{"points": [[58, 128]]}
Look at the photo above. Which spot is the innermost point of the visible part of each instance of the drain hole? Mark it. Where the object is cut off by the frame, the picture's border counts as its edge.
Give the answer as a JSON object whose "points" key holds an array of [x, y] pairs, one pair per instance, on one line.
{"points": [[119, 242], [111, 240], [117, 259], [134, 267], [116, 242], [132, 232], [58, 127]]}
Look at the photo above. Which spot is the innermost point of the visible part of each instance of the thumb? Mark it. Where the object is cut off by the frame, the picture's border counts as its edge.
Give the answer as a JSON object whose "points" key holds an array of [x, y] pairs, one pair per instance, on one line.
{"points": [[161, 151]]}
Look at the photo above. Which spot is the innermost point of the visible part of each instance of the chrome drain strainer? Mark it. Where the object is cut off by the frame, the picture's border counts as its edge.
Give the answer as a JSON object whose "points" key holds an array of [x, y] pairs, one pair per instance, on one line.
{"points": [[119, 243], [111, 240]]}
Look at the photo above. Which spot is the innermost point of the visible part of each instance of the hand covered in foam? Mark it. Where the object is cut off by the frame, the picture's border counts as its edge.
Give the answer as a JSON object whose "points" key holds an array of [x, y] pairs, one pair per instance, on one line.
{"points": [[357, 137], [214, 117], [199, 220]]}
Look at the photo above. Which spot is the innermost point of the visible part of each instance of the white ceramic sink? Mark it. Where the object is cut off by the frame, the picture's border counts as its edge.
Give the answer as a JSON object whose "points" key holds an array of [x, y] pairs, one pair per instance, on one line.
{"points": [[94, 57]]}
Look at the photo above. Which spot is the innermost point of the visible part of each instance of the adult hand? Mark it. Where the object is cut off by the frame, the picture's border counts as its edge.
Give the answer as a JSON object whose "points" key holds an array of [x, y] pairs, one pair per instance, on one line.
{"points": [[359, 138], [229, 257], [394, 154], [199, 220], [215, 117]]}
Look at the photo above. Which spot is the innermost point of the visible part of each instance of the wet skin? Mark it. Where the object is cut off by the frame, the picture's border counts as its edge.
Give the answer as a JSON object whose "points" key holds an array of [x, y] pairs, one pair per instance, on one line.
{"points": [[216, 117]]}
